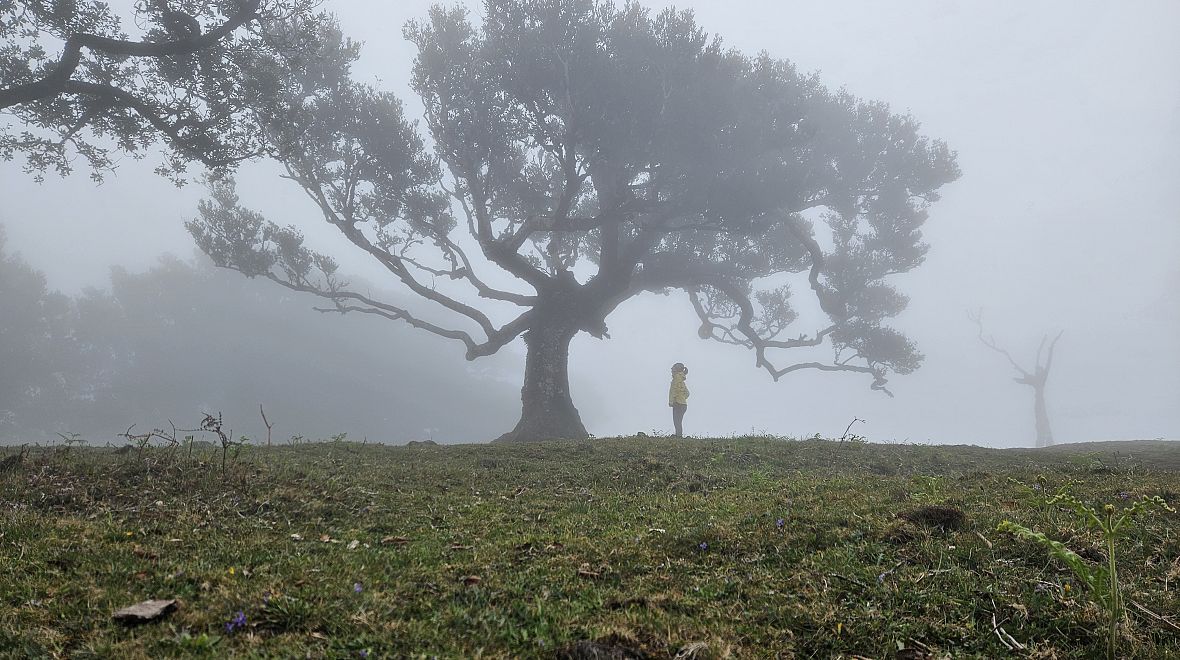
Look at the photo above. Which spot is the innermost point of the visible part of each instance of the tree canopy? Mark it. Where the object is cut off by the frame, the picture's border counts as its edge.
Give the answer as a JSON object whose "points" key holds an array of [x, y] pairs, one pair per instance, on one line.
{"points": [[590, 153], [80, 86]]}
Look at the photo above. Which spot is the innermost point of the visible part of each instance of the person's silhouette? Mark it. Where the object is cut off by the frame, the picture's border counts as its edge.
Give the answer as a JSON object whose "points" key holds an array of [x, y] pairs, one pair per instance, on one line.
{"points": [[678, 397]]}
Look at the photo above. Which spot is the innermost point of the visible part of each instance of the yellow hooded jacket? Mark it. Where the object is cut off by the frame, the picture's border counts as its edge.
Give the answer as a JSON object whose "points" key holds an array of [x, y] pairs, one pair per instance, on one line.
{"points": [[678, 392]]}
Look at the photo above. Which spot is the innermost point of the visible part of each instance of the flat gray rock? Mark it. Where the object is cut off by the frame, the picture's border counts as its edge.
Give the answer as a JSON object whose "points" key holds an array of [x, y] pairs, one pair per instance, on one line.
{"points": [[148, 610]]}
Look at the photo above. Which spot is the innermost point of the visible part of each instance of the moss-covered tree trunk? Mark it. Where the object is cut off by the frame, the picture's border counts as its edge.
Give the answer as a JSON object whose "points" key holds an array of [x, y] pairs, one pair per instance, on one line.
{"points": [[547, 410]]}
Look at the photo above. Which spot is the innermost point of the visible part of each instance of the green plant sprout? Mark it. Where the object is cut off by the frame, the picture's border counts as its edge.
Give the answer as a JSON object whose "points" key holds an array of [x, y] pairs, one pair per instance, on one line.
{"points": [[1102, 582], [930, 488]]}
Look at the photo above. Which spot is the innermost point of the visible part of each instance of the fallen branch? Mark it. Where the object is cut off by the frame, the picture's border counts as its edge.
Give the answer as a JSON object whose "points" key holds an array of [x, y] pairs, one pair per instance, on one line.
{"points": [[1158, 618], [848, 579], [1005, 638]]}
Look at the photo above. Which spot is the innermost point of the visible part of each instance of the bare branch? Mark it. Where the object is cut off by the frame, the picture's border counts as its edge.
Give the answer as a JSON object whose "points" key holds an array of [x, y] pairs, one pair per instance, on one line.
{"points": [[375, 307], [802, 340], [709, 325], [878, 379], [977, 318], [468, 273], [753, 340], [311, 186], [501, 251], [827, 302], [1049, 358], [496, 338], [848, 428]]}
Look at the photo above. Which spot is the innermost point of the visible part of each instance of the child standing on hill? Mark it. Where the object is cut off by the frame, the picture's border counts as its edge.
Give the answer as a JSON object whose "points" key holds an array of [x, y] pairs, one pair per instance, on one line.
{"points": [[678, 396]]}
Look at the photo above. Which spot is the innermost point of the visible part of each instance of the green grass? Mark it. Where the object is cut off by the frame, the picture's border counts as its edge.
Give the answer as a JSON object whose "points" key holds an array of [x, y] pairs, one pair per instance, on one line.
{"points": [[659, 546]]}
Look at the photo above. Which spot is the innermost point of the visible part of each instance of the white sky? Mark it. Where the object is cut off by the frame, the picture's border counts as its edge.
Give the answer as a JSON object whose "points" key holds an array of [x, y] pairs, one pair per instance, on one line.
{"points": [[1066, 119]]}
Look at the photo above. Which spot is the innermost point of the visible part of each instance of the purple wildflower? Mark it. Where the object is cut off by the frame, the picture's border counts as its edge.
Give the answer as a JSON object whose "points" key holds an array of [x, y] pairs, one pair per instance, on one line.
{"points": [[779, 523], [703, 546], [364, 653], [239, 621], [1124, 495], [357, 587]]}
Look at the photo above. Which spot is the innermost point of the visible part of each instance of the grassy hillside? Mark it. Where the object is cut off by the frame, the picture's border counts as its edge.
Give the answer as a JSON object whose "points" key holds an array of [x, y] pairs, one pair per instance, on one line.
{"points": [[637, 547]]}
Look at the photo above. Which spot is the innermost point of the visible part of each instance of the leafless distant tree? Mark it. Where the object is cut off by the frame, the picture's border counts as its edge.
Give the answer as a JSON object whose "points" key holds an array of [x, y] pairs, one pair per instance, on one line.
{"points": [[266, 421], [1035, 379]]}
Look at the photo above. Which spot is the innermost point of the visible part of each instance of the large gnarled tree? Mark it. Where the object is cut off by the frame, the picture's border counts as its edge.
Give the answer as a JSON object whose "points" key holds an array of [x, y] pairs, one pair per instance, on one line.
{"points": [[585, 154]]}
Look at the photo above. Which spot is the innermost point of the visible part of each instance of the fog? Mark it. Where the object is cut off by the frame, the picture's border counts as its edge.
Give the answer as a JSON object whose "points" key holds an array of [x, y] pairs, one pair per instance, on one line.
{"points": [[1066, 120]]}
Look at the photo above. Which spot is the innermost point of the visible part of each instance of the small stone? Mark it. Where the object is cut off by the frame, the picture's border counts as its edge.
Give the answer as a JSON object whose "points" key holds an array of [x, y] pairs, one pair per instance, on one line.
{"points": [[147, 611]]}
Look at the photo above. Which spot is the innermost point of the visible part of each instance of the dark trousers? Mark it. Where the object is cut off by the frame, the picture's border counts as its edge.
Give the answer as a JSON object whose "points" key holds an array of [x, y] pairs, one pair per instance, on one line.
{"points": [[678, 417]]}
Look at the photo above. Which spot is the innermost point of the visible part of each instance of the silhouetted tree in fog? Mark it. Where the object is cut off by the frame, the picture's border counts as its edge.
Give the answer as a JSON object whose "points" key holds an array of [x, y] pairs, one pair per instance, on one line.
{"points": [[1036, 379], [595, 153], [39, 356], [180, 339]]}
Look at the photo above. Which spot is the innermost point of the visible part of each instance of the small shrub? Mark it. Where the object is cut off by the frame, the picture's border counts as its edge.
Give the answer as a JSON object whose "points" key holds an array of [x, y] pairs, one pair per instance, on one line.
{"points": [[284, 614], [1102, 582]]}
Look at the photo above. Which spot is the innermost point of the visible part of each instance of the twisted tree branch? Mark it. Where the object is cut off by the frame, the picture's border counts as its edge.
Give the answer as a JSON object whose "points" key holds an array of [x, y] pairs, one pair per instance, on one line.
{"points": [[59, 79]]}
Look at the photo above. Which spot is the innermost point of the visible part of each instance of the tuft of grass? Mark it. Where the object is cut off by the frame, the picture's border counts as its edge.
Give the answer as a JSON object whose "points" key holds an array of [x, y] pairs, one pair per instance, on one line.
{"points": [[654, 547]]}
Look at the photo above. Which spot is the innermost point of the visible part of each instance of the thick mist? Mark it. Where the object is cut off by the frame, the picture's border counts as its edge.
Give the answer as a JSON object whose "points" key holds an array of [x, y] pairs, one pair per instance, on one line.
{"points": [[183, 338], [1065, 118]]}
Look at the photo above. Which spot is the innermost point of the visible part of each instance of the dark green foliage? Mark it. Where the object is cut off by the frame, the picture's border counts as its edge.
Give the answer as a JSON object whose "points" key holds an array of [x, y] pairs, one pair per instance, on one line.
{"points": [[81, 87]]}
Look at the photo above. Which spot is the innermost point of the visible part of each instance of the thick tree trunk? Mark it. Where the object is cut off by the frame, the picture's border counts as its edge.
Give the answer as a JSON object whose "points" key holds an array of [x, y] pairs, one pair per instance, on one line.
{"points": [[548, 412], [1044, 433]]}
